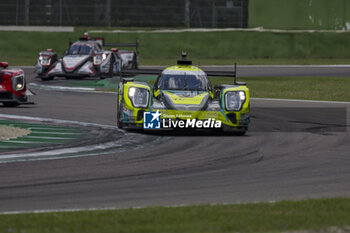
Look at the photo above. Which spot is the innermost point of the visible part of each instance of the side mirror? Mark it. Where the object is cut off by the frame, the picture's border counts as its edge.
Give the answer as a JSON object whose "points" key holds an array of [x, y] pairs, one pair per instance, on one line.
{"points": [[156, 83], [217, 94], [209, 87], [4, 64], [65, 53]]}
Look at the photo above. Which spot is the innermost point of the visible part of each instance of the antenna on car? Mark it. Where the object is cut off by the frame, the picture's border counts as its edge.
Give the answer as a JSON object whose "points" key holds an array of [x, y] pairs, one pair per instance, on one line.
{"points": [[235, 73], [183, 60], [184, 55], [235, 77], [137, 45]]}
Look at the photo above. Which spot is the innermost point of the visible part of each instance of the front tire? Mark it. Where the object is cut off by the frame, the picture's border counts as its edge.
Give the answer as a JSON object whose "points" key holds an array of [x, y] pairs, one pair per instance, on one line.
{"points": [[240, 133], [235, 131], [119, 122]]}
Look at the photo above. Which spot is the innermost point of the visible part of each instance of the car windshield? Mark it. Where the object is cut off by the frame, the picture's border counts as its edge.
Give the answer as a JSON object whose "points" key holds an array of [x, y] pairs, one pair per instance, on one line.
{"points": [[78, 49], [184, 81]]}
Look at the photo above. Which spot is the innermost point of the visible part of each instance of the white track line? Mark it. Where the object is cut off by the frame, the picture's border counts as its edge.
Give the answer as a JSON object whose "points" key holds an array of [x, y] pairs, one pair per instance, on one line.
{"points": [[61, 88], [45, 137], [48, 128], [122, 208], [55, 153], [305, 101], [40, 119], [257, 29], [59, 210], [293, 66], [72, 89], [262, 66], [247, 66], [21, 142], [58, 152], [269, 99], [37, 28], [54, 133]]}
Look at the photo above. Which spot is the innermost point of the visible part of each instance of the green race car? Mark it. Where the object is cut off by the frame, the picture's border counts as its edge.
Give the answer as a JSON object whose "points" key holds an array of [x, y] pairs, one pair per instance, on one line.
{"points": [[183, 97]]}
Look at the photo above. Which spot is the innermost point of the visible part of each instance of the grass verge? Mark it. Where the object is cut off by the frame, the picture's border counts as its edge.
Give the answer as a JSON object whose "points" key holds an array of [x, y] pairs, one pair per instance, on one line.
{"points": [[307, 88], [21, 48], [247, 61], [259, 217]]}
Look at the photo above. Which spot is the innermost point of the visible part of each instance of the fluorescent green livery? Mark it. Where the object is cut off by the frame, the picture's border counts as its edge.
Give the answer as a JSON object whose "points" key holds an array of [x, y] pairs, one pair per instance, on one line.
{"points": [[184, 93]]}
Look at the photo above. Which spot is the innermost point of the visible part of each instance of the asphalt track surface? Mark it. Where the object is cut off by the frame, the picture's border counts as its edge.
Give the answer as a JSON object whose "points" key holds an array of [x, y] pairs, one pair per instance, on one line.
{"points": [[283, 70], [275, 70], [268, 164]]}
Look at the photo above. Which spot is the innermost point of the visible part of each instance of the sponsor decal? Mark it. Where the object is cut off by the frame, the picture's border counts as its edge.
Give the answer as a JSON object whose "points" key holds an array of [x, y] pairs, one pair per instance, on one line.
{"points": [[153, 120], [192, 124], [71, 62]]}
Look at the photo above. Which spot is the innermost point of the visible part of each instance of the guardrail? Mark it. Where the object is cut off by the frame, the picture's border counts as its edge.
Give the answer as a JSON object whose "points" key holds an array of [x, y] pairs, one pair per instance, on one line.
{"points": [[155, 13]]}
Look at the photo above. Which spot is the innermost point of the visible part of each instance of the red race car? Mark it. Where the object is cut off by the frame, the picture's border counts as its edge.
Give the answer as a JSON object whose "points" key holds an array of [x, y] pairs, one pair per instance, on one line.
{"points": [[13, 90]]}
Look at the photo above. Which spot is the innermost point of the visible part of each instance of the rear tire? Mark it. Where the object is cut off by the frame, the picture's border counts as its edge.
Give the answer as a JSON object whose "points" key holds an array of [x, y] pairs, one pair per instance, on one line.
{"points": [[135, 65], [110, 70], [10, 104], [48, 78]]}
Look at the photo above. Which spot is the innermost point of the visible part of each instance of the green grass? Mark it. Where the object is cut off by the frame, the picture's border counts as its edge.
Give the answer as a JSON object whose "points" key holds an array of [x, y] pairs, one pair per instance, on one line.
{"points": [[238, 45], [306, 88], [299, 14], [103, 85], [247, 61], [309, 88], [22, 48], [260, 217]]}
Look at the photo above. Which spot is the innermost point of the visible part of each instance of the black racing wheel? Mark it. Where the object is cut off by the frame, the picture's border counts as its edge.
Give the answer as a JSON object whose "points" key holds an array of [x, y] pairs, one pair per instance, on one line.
{"points": [[119, 122]]}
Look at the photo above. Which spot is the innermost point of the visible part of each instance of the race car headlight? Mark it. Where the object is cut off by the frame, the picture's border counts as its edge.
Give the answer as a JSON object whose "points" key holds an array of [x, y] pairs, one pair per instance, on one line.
{"points": [[234, 100], [139, 97], [45, 60], [18, 82], [19, 86]]}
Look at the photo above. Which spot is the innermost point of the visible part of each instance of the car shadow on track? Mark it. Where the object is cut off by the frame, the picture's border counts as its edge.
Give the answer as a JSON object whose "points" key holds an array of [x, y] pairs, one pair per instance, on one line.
{"points": [[188, 133]]}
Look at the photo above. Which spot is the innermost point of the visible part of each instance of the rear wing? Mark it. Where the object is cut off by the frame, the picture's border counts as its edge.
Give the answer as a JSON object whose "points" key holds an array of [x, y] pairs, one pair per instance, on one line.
{"points": [[212, 73], [126, 72], [136, 45], [101, 41], [232, 74]]}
